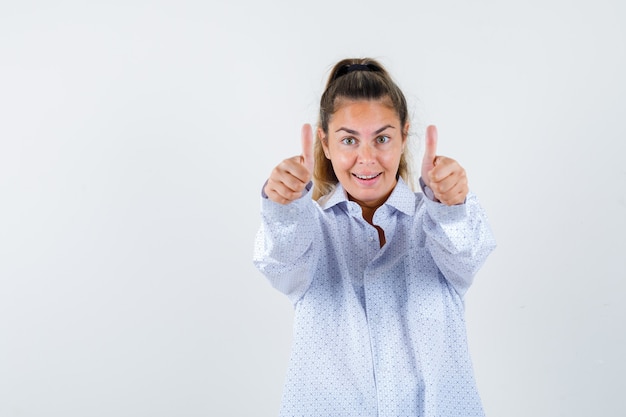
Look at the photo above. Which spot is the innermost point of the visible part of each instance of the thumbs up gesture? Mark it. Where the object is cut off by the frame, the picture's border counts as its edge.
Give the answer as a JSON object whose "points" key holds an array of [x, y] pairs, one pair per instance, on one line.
{"points": [[289, 178], [443, 175]]}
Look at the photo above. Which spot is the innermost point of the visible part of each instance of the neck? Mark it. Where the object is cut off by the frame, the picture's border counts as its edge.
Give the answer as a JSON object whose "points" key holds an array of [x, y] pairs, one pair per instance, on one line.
{"points": [[368, 214]]}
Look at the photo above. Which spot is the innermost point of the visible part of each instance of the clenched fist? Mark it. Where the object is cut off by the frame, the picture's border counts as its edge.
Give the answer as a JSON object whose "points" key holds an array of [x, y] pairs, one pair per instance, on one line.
{"points": [[288, 179], [443, 175]]}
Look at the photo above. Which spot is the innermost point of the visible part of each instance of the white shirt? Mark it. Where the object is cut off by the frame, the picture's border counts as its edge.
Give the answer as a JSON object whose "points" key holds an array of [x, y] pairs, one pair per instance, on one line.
{"points": [[377, 331]]}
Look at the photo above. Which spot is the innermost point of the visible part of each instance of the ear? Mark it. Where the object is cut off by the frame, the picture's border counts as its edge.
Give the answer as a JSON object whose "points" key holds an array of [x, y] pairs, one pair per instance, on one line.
{"points": [[405, 135], [324, 142]]}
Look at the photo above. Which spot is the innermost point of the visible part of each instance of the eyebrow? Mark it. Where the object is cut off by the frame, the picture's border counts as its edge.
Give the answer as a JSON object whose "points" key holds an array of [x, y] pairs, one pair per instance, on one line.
{"points": [[354, 132]]}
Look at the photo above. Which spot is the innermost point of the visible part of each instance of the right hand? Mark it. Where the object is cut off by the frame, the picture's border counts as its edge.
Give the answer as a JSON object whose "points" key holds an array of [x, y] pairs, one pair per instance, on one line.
{"points": [[288, 179]]}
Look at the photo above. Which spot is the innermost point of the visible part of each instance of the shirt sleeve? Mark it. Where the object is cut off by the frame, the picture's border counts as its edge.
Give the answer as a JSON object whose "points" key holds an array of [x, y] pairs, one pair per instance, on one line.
{"points": [[283, 246], [459, 239]]}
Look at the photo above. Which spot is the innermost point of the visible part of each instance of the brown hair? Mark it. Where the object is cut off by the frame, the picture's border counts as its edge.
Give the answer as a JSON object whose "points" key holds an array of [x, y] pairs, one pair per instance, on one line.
{"points": [[355, 79]]}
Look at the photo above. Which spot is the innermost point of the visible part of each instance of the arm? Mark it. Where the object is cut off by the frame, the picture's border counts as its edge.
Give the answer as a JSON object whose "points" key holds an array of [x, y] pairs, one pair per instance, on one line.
{"points": [[459, 239], [283, 244], [458, 235]]}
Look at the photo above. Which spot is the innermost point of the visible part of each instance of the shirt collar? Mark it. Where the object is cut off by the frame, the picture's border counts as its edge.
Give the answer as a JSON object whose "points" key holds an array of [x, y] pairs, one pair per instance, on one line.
{"points": [[401, 198]]}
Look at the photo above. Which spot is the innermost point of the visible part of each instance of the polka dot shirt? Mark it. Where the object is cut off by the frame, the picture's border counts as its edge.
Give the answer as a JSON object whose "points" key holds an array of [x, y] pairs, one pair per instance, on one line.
{"points": [[377, 331]]}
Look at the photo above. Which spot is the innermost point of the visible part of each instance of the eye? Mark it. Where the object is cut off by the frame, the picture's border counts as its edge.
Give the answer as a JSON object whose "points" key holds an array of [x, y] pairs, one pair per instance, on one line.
{"points": [[348, 141], [382, 139]]}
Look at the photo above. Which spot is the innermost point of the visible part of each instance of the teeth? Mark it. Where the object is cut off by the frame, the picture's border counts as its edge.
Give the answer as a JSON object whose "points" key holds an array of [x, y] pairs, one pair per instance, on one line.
{"points": [[366, 177]]}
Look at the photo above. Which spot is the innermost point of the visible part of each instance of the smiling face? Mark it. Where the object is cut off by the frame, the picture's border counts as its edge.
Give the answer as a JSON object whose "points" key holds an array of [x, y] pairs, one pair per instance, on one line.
{"points": [[364, 144]]}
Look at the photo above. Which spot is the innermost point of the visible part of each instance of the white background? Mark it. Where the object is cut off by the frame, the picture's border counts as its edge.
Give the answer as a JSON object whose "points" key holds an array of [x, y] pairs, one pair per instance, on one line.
{"points": [[134, 140]]}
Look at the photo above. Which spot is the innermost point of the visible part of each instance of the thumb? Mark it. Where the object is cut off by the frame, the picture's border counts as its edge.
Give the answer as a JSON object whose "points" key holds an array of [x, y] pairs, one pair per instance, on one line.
{"points": [[431, 145], [307, 147], [430, 152]]}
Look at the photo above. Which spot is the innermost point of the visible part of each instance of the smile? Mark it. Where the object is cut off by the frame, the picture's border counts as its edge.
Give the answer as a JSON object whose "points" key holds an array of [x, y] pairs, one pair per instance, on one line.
{"points": [[366, 177]]}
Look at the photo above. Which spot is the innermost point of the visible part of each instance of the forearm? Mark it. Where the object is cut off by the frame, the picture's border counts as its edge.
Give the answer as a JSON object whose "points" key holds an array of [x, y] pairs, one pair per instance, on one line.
{"points": [[284, 243], [459, 239]]}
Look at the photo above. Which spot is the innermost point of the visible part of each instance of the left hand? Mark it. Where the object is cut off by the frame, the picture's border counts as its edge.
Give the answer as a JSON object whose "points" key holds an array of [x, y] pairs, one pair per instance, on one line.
{"points": [[443, 175]]}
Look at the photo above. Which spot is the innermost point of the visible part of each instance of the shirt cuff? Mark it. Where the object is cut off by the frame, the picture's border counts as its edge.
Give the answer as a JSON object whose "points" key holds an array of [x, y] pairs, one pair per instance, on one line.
{"points": [[425, 189]]}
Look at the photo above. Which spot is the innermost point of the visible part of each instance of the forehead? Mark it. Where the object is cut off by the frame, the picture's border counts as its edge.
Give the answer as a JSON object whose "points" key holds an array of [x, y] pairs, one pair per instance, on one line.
{"points": [[364, 112]]}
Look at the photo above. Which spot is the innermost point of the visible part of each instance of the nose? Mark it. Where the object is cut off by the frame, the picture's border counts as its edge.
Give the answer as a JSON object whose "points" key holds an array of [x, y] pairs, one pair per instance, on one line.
{"points": [[366, 154]]}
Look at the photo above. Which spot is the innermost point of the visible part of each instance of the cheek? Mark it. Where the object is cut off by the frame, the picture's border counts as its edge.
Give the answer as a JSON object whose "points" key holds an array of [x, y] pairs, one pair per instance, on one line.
{"points": [[343, 160], [391, 159]]}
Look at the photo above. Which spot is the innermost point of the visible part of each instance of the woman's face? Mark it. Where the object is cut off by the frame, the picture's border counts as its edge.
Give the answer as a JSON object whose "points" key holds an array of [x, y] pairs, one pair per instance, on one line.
{"points": [[364, 144]]}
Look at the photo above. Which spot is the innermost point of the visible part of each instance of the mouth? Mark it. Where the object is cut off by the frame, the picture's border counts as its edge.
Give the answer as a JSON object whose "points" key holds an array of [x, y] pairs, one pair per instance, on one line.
{"points": [[367, 177]]}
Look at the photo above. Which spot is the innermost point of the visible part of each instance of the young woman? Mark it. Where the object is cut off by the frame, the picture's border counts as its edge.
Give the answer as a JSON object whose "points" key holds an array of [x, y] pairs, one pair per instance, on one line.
{"points": [[376, 272]]}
